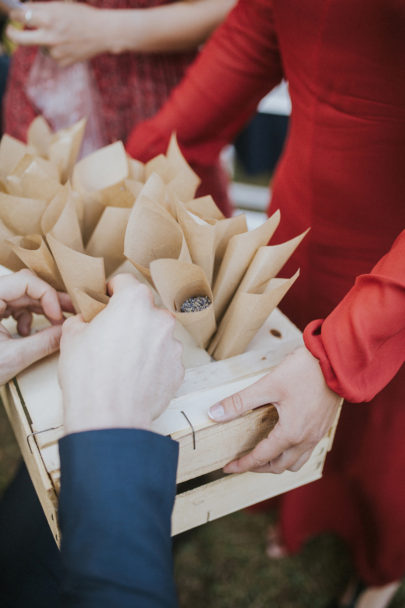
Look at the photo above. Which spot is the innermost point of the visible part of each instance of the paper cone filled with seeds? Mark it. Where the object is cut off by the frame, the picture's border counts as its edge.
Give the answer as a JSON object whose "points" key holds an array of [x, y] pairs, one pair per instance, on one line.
{"points": [[75, 224]]}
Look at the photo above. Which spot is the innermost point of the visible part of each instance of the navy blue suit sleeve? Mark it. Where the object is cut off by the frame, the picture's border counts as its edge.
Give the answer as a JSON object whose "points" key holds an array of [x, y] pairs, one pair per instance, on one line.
{"points": [[117, 493]]}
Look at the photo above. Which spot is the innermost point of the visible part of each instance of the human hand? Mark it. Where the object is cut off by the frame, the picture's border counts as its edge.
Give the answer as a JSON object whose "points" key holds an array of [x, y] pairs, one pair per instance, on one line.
{"points": [[70, 31], [22, 294], [123, 368], [306, 408]]}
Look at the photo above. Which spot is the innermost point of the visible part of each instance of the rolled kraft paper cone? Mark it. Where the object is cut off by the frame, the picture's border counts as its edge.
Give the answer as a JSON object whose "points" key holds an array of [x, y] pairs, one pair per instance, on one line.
{"points": [[32, 250], [136, 169], [12, 151], [31, 186], [60, 219], [200, 238], [77, 269], [225, 230], [151, 234], [22, 215], [183, 180], [107, 240], [134, 186], [90, 303], [101, 169], [118, 195], [178, 281], [205, 208], [244, 318], [7, 256], [159, 165], [34, 177], [92, 211], [153, 190], [268, 261], [238, 255], [39, 136], [64, 148]]}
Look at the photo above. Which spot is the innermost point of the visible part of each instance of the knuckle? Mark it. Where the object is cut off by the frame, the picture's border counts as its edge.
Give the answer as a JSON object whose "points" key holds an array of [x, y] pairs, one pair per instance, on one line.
{"points": [[236, 403], [24, 272], [53, 342]]}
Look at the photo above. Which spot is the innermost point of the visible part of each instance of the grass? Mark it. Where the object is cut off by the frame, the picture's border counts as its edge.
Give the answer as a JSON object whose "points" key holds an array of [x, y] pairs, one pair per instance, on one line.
{"points": [[223, 564]]}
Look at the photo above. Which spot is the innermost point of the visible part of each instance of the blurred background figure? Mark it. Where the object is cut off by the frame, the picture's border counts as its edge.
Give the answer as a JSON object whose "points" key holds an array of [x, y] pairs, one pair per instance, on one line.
{"points": [[138, 51]]}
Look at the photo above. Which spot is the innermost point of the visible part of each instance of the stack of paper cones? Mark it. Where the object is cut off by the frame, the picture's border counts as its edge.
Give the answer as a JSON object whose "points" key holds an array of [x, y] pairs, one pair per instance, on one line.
{"points": [[76, 223]]}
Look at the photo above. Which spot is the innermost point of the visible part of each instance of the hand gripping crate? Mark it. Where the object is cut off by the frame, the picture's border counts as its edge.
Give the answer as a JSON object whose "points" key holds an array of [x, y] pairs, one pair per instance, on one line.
{"points": [[34, 406]]}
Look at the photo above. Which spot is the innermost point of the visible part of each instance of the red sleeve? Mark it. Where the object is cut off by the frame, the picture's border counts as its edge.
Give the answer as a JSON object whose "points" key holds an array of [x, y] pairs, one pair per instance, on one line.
{"points": [[361, 344], [236, 68]]}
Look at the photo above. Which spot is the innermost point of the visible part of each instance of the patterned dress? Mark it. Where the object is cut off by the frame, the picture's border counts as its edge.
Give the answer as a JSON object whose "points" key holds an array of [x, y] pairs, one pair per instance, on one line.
{"points": [[132, 87]]}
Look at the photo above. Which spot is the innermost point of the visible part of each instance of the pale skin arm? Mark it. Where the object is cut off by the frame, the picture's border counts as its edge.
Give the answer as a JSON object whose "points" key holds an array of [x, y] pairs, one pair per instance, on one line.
{"points": [[74, 31], [21, 295], [122, 369], [306, 407]]}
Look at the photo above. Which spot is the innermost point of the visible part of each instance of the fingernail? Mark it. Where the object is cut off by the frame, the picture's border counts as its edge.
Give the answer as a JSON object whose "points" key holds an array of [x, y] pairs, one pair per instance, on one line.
{"points": [[216, 412]]}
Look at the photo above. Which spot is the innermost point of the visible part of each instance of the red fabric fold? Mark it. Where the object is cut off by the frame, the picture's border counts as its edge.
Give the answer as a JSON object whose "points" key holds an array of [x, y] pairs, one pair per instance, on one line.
{"points": [[361, 344]]}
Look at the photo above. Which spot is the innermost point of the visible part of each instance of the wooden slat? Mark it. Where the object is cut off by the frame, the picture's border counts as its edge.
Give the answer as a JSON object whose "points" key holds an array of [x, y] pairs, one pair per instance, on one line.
{"points": [[212, 447], [218, 498], [30, 452]]}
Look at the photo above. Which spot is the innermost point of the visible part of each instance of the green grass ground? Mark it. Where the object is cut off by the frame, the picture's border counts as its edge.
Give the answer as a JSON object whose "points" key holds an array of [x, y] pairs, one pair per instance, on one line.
{"points": [[223, 564]]}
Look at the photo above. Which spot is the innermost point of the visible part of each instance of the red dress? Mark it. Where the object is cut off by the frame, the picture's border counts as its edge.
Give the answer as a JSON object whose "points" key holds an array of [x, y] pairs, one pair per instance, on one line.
{"points": [[132, 87], [343, 174]]}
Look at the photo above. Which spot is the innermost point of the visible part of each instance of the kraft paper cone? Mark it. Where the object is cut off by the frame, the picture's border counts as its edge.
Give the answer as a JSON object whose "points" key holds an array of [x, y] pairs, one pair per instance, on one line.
{"points": [[12, 151], [64, 148], [133, 186], [153, 190], [107, 240], [33, 177], [32, 250], [205, 208], [207, 240], [90, 303], [159, 165], [39, 136], [101, 169], [92, 211], [61, 219], [7, 256], [22, 215], [151, 234], [119, 195], [238, 255], [77, 269], [267, 262], [136, 169], [176, 282], [200, 238], [182, 180], [95, 173], [245, 316], [226, 229]]}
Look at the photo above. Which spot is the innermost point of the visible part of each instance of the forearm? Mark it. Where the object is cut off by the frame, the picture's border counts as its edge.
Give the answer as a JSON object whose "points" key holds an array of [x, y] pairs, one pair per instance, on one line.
{"points": [[117, 493], [175, 27], [361, 344]]}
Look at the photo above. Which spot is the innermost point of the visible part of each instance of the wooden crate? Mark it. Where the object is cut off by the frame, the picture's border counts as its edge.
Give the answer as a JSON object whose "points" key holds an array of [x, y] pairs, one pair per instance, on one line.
{"points": [[34, 406]]}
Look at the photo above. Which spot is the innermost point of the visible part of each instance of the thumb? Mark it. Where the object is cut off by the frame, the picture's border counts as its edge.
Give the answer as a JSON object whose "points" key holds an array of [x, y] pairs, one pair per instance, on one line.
{"points": [[35, 347], [259, 393]]}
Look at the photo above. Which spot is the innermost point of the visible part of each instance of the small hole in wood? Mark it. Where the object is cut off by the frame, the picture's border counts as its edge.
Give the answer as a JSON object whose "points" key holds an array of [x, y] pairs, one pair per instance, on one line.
{"points": [[275, 333], [264, 358]]}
